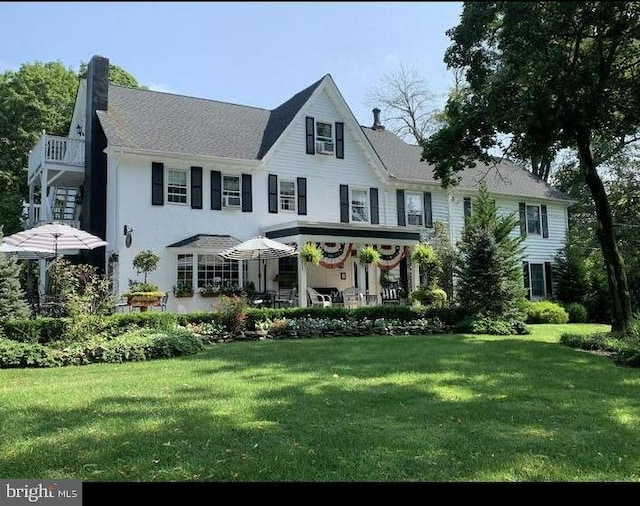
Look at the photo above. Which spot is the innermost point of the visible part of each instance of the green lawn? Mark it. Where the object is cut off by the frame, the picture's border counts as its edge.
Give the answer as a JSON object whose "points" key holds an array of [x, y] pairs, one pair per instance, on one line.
{"points": [[437, 408]]}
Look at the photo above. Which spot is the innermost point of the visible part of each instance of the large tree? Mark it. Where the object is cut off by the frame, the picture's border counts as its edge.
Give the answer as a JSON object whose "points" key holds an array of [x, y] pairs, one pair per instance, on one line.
{"points": [[406, 104], [38, 96], [549, 75]]}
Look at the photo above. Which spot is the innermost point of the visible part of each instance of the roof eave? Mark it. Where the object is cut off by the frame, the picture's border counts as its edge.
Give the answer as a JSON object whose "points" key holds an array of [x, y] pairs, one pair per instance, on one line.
{"points": [[191, 157]]}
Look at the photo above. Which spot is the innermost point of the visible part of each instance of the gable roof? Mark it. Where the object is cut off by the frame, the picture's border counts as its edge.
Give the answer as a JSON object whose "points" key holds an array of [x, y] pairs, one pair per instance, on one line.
{"points": [[157, 121], [402, 160]]}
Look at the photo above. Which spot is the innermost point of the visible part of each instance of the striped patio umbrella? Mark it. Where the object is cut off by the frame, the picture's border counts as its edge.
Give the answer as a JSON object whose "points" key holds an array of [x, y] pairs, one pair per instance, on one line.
{"points": [[54, 237], [259, 248]]}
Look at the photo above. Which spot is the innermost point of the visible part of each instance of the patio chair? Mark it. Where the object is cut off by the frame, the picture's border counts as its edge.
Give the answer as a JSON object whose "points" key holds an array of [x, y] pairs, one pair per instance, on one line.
{"points": [[318, 299], [353, 297]]}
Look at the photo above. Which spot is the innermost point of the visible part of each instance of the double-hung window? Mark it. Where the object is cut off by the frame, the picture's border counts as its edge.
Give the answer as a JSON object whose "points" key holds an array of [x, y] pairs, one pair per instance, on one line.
{"points": [[231, 194], [287, 195], [537, 281], [324, 137], [177, 186], [413, 208], [359, 205], [533, 220]]}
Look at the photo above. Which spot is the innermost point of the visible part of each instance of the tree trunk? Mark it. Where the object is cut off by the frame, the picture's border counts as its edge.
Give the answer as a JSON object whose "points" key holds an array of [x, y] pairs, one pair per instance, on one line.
{"points": [[621, 313]]}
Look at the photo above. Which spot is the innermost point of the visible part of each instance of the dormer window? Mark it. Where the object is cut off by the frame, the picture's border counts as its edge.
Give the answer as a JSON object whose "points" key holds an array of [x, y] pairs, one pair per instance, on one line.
{"points": [[324, 138]]}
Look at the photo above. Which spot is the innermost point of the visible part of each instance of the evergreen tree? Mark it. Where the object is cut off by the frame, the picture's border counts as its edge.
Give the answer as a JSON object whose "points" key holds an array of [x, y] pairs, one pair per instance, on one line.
{"points": [[489, 270], [12, 301]]}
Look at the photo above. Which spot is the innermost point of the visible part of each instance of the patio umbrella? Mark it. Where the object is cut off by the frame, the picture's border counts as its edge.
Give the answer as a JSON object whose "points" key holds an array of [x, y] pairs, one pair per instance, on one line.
{"points": [[53, 237], [25, 253], [259, 248]]}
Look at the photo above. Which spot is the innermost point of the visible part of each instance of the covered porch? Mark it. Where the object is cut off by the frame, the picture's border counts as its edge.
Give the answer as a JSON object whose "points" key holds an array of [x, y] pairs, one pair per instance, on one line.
{"points": [[340, 268]]}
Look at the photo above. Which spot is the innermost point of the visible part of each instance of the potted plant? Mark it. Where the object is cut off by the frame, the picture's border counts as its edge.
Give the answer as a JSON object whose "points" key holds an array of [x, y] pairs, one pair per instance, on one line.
{"points": [[425, 256], [210, 290], [369, 255], [311, 253], [183, 290], [141, 293]]}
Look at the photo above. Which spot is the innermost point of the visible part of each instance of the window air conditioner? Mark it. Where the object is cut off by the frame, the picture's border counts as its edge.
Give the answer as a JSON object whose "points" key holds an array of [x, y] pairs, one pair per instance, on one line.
{"points": [[324, 147], [228, 201]]}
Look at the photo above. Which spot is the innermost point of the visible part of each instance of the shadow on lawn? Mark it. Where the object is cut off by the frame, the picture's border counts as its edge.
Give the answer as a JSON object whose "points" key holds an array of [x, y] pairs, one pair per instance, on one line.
{"points": [[428, 409]]}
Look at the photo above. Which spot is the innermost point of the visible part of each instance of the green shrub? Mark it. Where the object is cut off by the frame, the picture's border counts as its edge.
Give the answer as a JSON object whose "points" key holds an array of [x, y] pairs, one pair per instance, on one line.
{"points": [[626, 350], [545, 311], [16, 354], [41, 330], [577, 312], [233, 313], [429, 296], [483, 324]]}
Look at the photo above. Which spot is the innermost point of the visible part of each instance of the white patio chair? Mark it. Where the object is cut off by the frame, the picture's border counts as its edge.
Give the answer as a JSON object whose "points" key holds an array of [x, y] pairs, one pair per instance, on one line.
{"points": [[353, 297], [318, 299]]}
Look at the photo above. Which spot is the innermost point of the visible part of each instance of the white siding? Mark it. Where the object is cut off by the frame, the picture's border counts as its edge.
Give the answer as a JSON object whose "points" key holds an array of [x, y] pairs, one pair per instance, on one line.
{"points": [[536, 248]]}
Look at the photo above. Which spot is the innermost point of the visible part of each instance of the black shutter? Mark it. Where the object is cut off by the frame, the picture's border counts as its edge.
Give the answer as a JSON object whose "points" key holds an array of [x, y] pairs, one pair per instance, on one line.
{"points": [[344, 203], [302, 195], [522, 207], [247, 199], [428, 214], [157, 184], [216, 190], [402, 221], [466, 209], [339, 139], [373, 202], [545, 222], [196, 187], [273, 193], [527, 284], [311, 136], [548, 280]]}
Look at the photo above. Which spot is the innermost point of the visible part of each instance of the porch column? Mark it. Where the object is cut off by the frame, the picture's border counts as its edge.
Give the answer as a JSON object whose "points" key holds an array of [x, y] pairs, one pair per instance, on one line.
{"points": [[414, 278], [42, 282], [302, 281]]}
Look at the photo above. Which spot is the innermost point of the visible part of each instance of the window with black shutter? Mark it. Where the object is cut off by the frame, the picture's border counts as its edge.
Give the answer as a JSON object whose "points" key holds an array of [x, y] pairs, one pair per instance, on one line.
{"points": [[196, 187], [273, 193], [216, 190], [344, 203], [339, 139], [302, 195], [311, 137], [545, 223], [522, 209], [466, 203], [157, 184], [247, 196], [400, 208], [373, 202], [428, 213]]}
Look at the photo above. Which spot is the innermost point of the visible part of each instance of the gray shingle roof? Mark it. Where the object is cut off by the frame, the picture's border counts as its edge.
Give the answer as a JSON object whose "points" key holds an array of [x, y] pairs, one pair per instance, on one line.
{"points": [[156, 121], [206, 242], [402, 160]]}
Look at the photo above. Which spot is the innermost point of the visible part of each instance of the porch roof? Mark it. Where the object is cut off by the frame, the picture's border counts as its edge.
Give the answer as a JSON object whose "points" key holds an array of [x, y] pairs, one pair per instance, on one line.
{"points": [[329, 232], [208, 242]]}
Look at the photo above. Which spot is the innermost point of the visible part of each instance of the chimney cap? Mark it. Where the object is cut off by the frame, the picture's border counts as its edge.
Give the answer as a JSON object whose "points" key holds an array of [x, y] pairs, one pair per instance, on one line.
{"points": [[376, 120]]}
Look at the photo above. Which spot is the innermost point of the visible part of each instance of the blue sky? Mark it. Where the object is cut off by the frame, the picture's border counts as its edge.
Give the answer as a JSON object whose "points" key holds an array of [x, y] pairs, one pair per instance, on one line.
{"points": [[252, 53]]}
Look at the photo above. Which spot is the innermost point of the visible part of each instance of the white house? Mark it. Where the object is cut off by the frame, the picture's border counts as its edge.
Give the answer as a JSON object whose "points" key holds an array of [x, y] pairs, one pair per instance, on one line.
{"points": [[188, 177]]}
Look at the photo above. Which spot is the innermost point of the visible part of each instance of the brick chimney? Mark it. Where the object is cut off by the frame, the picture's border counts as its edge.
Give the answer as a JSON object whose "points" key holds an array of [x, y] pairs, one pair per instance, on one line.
{"points": [[376, 120]]}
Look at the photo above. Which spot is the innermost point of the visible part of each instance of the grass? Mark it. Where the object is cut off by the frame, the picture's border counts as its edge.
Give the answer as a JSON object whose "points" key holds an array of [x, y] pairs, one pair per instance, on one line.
{"points": [[438, 408]]}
